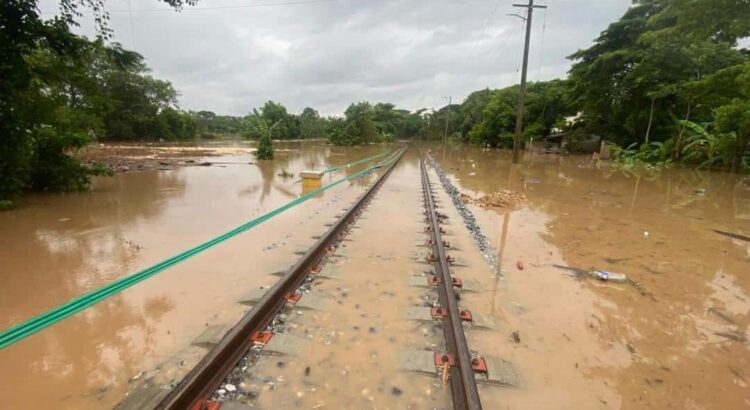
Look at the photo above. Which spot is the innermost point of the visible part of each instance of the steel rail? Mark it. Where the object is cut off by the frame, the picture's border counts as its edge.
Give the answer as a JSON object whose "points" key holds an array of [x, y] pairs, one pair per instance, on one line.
{"points": [[209, 373], [463, 383]]}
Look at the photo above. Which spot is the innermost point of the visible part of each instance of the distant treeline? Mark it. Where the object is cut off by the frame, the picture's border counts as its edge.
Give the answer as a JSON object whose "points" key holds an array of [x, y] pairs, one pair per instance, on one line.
{"points": [[486, 117]]}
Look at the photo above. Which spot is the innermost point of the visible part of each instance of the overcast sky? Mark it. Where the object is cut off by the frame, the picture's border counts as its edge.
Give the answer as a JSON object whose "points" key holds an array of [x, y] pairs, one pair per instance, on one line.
{"points": [[228, 56]]}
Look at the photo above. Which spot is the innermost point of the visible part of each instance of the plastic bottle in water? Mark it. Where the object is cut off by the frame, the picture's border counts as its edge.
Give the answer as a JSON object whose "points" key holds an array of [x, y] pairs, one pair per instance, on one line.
{"points": [[605, 276]]}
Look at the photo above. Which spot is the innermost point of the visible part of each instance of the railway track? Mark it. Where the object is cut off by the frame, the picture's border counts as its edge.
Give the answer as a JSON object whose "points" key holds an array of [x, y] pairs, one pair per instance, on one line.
{"points": [[457, 363], [455, 366], [195, 389]]}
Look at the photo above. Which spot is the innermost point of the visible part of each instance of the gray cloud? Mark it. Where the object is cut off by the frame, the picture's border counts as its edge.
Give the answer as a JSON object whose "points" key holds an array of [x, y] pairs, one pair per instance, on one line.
{"points": [[326, 54]]}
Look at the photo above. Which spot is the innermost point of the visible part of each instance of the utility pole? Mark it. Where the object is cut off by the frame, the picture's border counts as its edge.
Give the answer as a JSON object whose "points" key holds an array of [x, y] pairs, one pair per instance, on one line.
{"points": [[519, 117], [445, 134]]}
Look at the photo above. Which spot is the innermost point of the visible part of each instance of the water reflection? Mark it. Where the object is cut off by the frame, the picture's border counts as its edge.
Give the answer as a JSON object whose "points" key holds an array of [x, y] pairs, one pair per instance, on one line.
{"points": [[268, 171], [59, 246], [54, 236]]}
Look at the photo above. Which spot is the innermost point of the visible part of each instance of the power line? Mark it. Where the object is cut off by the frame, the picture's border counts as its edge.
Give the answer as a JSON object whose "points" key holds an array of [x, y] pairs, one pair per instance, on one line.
{"points": [[541, 45], [520, 51], [486, 25], [240, 6], [132, 32]]}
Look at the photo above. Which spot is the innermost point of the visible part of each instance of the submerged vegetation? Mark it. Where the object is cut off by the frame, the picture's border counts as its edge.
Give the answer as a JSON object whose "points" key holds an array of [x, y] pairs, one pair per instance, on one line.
{"points": [[668, 81], [261, 128]]}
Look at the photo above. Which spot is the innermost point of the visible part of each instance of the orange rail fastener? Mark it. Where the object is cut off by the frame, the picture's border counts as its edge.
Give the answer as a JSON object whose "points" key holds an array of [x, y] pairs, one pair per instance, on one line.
{"points": [[466, 316], [261, 337], [206, 405], [479, 364]]}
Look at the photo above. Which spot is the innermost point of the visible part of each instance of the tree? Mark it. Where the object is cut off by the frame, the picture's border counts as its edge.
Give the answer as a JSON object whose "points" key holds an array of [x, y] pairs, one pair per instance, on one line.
{"points": [[637, 78], [265, 145], [734, 119], [208, 124], [310, 124], [271, 112], [498, 120], [489, 116], [265, 148], [50, 94], [598, 73], [358, 127], [410, 124], [472, 110], [718, 20]]}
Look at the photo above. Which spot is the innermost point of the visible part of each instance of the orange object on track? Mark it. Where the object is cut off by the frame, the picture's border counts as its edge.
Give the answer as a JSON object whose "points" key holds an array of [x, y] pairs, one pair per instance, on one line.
{"points": [[520, 264]]}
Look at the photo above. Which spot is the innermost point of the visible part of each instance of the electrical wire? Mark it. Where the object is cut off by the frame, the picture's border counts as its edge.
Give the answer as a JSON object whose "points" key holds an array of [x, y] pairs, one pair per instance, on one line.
{"points": [[520, 56], [541, 44], [132, 32], [191, 9], [486, 25]]}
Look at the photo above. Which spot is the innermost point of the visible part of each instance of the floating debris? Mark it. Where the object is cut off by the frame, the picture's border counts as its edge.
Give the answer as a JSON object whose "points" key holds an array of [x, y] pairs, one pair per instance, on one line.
{"points": [[721, 314], [504, 198], [597, 274], [732, 336], [733, 235]]}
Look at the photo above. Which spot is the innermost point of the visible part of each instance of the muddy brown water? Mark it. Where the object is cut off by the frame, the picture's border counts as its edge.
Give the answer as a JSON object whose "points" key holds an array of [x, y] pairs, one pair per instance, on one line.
{"points": [[675, 340], [679, 339], [56, 247]]}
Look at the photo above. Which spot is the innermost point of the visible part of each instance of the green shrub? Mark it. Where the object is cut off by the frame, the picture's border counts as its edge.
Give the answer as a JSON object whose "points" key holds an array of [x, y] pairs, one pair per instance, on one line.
{"points": [[265, 148]]}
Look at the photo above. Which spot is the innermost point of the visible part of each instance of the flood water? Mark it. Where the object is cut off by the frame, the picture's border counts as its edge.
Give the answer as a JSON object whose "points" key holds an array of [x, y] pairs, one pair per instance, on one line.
{"points": [[56, 247], [677, 339], [678, 336]]}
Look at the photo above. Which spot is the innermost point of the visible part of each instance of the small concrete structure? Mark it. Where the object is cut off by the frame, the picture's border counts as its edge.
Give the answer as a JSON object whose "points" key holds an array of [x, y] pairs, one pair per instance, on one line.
{"points": [[419, 282], [252, 296], [234, 405], [330, 271], [210, 336], [311, 179], [470, 285], [283, 344], [280, 269], [422, 361], [311, 301], [501, 372], [142, 398], [480, 321], [419, 314]]}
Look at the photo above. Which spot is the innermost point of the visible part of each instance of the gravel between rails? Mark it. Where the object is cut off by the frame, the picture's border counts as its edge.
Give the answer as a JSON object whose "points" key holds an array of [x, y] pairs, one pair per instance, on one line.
{"points": [[469, 220]]}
